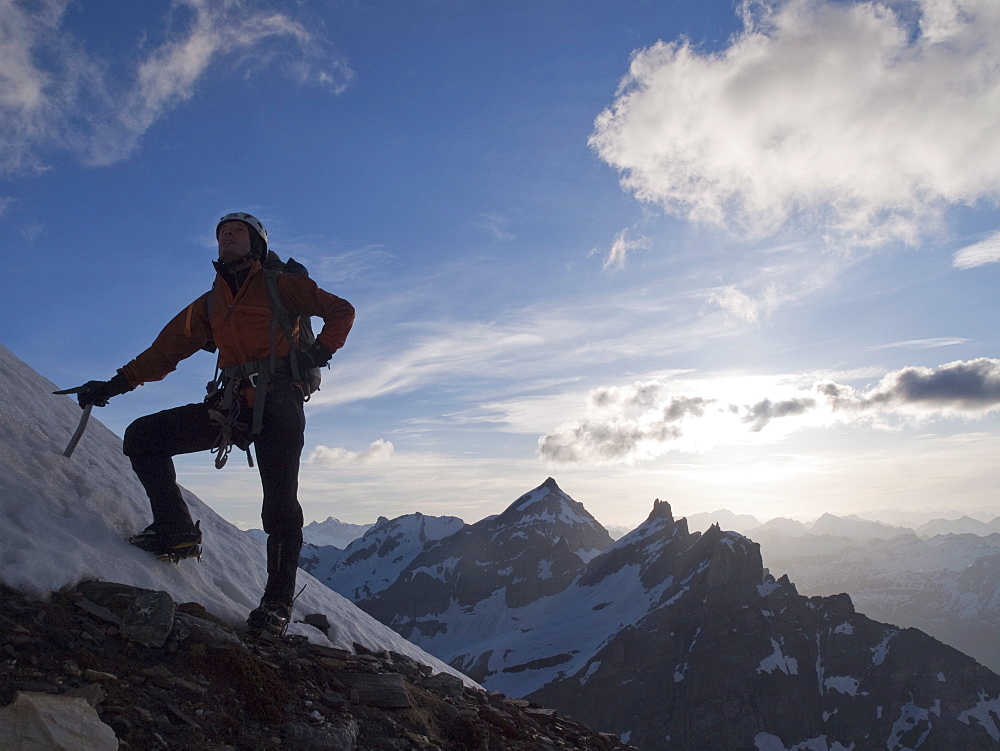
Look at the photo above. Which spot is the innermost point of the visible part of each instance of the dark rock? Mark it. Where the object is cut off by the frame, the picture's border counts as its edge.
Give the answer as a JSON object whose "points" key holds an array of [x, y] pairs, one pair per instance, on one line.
{"points": [[149, 618], [383, 690], [98, 610], [321, 738], [319, 621], [446, 684], [200, 631]]}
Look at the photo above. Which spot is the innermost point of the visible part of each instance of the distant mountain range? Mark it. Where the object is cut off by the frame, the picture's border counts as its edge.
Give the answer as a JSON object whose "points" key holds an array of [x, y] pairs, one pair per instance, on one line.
{"points": [[852, 526], [340, 534], [331, 532], [667, 638]]}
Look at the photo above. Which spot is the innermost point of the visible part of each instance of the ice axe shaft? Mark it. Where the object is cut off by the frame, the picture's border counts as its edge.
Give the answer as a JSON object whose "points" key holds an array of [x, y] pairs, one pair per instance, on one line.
{"points": [[79, 431], [83, 421]]}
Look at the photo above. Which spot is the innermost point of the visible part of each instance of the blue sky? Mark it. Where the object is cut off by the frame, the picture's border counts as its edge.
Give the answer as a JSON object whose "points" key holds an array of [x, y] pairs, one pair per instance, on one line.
{"points": [[737, 255]]}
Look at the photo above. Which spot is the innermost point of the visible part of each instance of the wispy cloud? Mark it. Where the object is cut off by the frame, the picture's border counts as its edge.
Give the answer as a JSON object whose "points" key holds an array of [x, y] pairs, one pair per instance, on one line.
{"points": [[979, 254], [865, 120], [495, 225], [625, 425], [934, 343], [621, 247], [600, 332], [340, 267], [56, 96]]}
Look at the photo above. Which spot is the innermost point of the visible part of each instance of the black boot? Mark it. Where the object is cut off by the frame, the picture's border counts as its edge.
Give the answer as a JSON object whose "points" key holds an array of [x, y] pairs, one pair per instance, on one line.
{"points": [[170, 545], [275, 609], [269, 617], [283, 550]]}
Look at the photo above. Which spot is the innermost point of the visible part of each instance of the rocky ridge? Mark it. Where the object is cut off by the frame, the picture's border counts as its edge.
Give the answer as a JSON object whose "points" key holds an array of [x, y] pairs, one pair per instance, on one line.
{"points": [[167, 676]]}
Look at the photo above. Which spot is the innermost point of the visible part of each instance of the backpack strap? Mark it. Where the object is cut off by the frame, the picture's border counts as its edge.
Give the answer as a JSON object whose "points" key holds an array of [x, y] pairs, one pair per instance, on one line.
{"points": [[209, 296], [282, 318], [265, 369]]}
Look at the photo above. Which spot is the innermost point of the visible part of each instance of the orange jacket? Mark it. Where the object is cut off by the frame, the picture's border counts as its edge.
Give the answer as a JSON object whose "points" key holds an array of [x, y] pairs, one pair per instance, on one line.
{"points": [[240, 325]]}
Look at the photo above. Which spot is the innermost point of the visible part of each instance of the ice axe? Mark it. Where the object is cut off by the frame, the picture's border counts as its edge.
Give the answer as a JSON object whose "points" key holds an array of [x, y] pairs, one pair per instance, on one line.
{"points": [[83, 421]]}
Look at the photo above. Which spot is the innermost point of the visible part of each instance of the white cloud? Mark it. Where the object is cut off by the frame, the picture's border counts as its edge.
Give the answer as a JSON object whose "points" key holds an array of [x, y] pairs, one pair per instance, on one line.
{"points": [[54, 95], [377, 452], [647, 419], [979, 254], [866, 120]]}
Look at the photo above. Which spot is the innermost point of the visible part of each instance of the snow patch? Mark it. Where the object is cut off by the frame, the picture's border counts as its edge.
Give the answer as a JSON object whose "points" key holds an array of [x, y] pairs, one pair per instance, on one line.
{"points": [[985, 713], [880, 652], [767, 588], [440, 571], [843, 684], [844, 628], [590, 671], [677, 596], [778, 661], [768, 742], [910, 716]]}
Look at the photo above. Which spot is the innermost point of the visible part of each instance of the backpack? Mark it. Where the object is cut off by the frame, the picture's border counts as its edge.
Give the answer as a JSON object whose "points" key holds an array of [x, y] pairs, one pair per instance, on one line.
{"points": [[274, 267]]}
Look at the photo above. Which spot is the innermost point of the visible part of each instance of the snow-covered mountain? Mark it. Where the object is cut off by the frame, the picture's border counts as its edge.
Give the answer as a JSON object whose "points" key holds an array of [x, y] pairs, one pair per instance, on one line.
{"points": [[373, 562], [65, 520], [672, 639], [948, 585], [331, 532]]}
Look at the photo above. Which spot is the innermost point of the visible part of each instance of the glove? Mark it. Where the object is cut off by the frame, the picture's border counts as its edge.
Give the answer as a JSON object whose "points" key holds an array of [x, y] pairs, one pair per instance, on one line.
{"points": [[315, 357], [99, 392]]}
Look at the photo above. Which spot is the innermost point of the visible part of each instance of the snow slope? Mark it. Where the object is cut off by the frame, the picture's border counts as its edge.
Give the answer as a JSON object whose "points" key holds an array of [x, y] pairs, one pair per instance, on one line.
{"points": [[65, 520]]}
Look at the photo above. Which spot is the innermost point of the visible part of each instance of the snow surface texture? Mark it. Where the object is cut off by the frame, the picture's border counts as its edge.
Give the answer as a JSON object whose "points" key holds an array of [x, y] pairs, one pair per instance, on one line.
{"points": [[65, 520]]}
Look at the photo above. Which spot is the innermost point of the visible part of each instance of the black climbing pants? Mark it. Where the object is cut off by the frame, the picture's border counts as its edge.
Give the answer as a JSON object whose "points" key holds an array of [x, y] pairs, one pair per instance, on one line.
{"points": [[152, 441]]}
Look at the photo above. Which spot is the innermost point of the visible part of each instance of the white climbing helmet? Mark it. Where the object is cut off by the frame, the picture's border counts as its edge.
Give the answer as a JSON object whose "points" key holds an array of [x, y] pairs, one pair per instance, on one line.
{"points": [[248, 219]]}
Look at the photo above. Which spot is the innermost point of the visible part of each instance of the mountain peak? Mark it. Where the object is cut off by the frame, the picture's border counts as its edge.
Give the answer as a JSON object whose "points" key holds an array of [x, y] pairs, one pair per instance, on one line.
{"points": [[548, 501], [661, 510]]}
